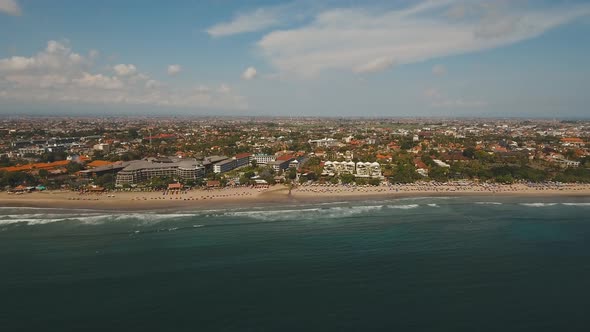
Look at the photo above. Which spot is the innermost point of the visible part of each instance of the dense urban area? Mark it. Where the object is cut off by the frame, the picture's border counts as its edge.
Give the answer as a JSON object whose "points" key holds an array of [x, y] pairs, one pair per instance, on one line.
{"points": [[154, 153]]}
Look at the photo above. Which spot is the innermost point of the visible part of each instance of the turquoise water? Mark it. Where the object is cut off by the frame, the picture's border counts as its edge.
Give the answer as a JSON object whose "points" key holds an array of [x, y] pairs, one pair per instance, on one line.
{"points": [[430, 264]]}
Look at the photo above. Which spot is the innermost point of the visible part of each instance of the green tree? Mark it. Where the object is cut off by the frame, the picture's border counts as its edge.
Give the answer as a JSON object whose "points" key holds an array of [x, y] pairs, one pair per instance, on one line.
{"points": [[292, 173], [73, 167], [440, 174], [43, 173], [105, 180], [346, 178], [374, 181], [469, 153]]}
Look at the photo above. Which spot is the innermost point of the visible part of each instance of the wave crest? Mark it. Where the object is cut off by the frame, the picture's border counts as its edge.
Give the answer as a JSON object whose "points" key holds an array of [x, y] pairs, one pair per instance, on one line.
{"points": [[538, 204]]}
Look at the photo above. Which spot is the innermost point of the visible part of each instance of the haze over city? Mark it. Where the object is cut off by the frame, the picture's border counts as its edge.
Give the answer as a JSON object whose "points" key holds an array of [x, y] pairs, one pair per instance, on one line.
{"points": [[290, 58], [294, 165]]}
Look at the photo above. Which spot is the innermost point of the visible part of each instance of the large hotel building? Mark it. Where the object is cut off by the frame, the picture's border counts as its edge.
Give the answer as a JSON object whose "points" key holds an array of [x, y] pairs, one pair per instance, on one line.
{"points": [[143, 170], [138, 171]]}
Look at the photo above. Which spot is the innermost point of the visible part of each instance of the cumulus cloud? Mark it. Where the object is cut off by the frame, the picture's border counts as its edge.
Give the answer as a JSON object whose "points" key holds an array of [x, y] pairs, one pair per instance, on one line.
{"points": [[57, 56], [174, 69], [249, 73], [57, 74], [439, 70], [370, 39], [124, 70], [98, 81], [10, 7], [40, 81]]}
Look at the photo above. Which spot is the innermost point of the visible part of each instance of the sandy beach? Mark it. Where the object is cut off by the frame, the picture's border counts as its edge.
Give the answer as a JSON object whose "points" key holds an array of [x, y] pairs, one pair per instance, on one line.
{"points": [[146, 200], [243, 196]]}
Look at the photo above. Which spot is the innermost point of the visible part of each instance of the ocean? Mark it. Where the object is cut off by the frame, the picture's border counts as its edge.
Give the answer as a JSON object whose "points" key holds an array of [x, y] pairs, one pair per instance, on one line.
{"points": [[415, 264]]}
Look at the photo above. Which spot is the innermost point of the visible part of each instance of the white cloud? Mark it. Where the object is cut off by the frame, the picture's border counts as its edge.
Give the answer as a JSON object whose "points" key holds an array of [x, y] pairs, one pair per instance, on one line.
{"points": [[254, 21], [439, 70], [10, 7], [124, 70], [57, 56], [152, 84], [264, 18], [368, 40], [41, 81], [224, 88], [375, 65], [98, 81], [174, 69], [59, 75], [249, 73], [16, 63]]}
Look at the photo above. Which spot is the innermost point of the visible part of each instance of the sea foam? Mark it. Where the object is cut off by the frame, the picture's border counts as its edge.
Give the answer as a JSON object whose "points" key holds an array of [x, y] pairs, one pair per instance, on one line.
{"points": [[538, 204], [403, 207], [89, 219], [576, 204]]}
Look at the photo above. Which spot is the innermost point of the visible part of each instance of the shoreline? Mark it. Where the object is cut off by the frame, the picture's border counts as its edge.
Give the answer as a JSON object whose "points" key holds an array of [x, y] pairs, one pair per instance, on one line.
{"points": [[245, 197]]}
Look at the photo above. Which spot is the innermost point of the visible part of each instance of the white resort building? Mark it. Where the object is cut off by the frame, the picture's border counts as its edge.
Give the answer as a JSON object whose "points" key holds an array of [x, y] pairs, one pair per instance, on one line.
{"points": [[360, 169]]}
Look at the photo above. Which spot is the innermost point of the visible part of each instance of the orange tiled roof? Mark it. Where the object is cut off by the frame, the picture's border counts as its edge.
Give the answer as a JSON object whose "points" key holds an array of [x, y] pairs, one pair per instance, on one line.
{"points": [[572, 140], [29, 167], [243, 155], [285, 157], [98, 163]]}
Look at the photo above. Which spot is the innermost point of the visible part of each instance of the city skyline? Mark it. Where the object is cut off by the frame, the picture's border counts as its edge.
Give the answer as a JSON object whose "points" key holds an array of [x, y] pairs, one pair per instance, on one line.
{"points": [[302, 58]]}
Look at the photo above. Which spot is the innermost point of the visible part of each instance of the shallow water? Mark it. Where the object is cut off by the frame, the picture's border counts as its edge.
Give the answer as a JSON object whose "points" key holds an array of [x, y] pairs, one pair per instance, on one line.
{"points": [[414, 264]]}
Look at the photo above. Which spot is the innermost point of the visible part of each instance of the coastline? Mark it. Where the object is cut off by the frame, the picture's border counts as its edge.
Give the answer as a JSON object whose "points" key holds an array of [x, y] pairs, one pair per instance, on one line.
{"points": [[279, 194]]}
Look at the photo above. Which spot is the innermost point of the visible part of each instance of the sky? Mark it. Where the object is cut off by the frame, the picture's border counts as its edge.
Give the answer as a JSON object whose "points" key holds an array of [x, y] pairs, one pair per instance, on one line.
{"points": [[372, 58]]}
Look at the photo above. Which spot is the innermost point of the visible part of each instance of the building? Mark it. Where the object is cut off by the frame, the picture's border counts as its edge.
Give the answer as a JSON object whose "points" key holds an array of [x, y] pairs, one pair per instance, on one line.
{"points": [[567, 163], [337, 167], [441, 163], [209, 162], [283, 162], [279, 165], [263, 158], [143, 170], [360, 169], [101, 167], [572, 141], [106, 148], [324, 142], [225, 166], [243, 159], [33, 150]]}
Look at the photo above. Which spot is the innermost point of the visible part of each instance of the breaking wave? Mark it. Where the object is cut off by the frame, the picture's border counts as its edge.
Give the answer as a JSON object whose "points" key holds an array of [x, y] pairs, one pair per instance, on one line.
{"points": [[306, 214], [576, 204], [488, 203], [88, 219], [403, 207], [538, 204]]}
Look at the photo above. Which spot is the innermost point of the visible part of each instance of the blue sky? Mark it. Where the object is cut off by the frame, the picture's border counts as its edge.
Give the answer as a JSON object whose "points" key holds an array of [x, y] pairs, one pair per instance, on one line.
{"points": [[323, 58]]}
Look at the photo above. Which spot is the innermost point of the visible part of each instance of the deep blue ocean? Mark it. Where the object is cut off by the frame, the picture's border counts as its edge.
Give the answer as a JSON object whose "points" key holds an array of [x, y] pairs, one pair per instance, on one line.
{"points": [[418, 264]]}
